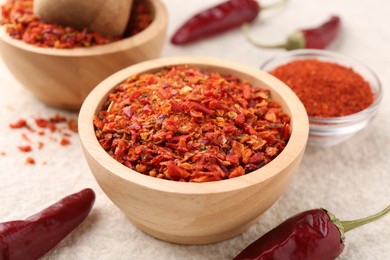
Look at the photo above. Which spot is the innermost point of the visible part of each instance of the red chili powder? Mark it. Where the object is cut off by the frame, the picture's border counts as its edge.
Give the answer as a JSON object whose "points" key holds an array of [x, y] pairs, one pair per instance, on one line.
{"points": [[326, 89], [22, 24], [185, 124]]}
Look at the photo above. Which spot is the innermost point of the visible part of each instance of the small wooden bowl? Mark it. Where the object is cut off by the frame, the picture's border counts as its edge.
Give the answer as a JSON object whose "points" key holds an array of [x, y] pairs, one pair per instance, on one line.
{"points": [[194, 213], [63, 77]]}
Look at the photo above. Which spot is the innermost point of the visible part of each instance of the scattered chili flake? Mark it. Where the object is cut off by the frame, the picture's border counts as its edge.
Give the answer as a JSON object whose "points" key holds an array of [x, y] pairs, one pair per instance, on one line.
{"points": [[19, 123], [56, 125], [73, 125], [40, 145], [326, 89], [3, 153], [25, 137], [22, 24], [186, 124], [25, 148], [64, 142], [30, 160]]}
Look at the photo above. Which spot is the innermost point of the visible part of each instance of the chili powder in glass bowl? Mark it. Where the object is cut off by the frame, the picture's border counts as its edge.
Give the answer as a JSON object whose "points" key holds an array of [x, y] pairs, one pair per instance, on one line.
{"points": [[341, 95]]}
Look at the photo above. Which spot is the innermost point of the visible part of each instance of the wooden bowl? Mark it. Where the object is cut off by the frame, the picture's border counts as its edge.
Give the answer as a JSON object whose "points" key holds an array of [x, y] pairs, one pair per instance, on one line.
{"points": [[194, 213], [63, 77]]}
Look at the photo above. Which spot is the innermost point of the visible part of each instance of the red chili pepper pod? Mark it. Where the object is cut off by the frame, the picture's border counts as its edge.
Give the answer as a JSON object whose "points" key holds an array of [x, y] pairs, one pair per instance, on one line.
{"points": [[310, 38], [313, 234], [39, 233], [320, 37], [217, 19]]}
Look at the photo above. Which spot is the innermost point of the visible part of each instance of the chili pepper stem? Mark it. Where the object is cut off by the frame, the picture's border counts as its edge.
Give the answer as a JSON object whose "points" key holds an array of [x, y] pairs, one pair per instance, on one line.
{"points": [[274, 5], [294, 41], [351, 224], [345, 226]]}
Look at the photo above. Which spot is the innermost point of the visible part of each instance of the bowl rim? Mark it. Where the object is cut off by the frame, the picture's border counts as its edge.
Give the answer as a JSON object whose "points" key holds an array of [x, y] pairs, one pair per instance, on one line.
{"points": [[293, 150], [158, 24], [318, 122]]}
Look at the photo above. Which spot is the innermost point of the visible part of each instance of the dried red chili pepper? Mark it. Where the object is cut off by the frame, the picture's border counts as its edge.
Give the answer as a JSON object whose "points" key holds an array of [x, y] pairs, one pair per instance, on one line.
{"points": [[311, 38], [39, 233], [186, 124], [326, 89], [217, 19], [313, 234]]}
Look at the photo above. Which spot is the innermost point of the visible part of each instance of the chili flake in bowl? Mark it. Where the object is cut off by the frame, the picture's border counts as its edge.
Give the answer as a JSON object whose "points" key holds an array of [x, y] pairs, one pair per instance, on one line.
{"points": [[341, 95], [192, 123], [61, 65], [185, 124]]}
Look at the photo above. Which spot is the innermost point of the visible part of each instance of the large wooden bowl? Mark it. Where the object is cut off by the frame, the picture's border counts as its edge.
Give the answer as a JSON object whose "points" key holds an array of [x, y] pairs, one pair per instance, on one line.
{"points": [[194, 213], [64, 77]]}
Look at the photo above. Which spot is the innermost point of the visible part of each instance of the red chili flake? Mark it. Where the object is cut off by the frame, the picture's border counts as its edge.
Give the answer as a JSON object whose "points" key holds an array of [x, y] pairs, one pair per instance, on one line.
{"points": [[41, 122], [30, 160], [57, 118], [25, 148], [326, 89], [73, 125], [67, 134], [3, 153], [19, 124], [25, 137], [55, 124], [40, 145], [64, 142], [22, 24], [185, 124]]}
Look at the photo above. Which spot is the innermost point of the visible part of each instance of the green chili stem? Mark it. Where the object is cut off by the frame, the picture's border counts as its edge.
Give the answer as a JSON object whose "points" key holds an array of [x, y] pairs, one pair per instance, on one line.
{"points": [[245, 29], [276, 4], [351, 224]]}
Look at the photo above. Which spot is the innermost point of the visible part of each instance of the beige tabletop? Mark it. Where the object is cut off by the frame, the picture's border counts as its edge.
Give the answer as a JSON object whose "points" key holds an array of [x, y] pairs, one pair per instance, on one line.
{"points": [[352, 179]]}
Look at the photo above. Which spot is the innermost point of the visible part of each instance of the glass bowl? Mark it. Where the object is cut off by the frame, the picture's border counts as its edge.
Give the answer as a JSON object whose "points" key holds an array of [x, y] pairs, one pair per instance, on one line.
{"points": [[334, 130]]}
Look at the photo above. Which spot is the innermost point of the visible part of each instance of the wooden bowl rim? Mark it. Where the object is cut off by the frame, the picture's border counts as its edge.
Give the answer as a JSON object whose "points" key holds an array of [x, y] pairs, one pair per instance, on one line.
{"points": [[292, 152], [157, 26]]}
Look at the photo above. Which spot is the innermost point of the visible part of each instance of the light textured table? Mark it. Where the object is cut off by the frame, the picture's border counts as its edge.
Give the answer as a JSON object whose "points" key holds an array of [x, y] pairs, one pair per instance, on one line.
{"points": [[352, 179]]}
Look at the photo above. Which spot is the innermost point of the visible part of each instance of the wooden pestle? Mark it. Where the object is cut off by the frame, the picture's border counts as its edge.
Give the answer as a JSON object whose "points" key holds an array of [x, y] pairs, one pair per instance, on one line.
{"points": [[108, 17]]}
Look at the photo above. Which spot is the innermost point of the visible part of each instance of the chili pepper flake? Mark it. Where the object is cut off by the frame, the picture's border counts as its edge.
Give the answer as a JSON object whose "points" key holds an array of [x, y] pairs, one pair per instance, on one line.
{"points": [[25, 148], [64, 142], [185, 124], [22, 24], [30, 160], [18, 124], [55, 125], [40, 145]]}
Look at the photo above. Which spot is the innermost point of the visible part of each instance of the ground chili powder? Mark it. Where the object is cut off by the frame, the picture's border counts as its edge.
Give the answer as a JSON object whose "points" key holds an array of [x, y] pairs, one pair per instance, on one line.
{"points": [[22, 24], [326, 89], [185, 124]]}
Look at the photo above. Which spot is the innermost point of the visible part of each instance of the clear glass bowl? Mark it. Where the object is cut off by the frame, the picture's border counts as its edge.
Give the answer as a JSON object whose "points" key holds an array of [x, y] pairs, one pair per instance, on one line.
{"points": [[334, 130]]}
